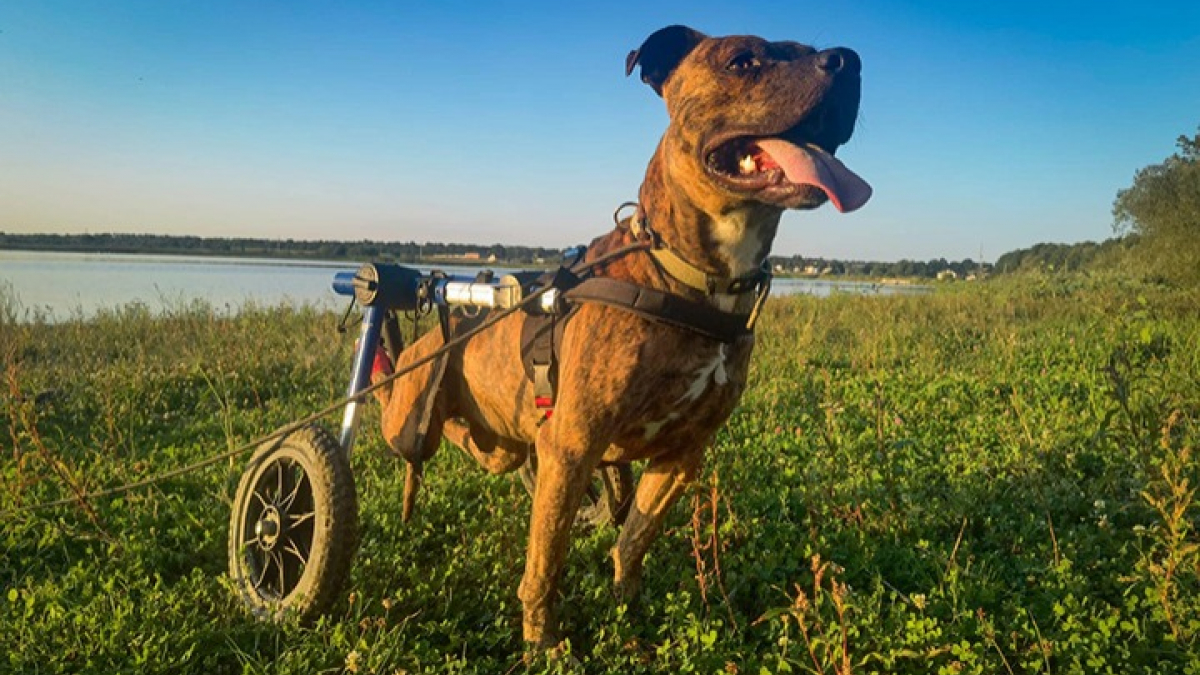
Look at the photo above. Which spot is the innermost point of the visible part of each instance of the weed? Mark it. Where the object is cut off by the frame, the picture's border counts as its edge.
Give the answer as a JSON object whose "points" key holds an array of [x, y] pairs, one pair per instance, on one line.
{"points": [[1173, 560], [707, 544]]}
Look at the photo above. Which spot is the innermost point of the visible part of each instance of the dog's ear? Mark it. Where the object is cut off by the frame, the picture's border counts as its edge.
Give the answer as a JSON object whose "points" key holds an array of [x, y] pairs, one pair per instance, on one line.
{"points": [[661, 53]]}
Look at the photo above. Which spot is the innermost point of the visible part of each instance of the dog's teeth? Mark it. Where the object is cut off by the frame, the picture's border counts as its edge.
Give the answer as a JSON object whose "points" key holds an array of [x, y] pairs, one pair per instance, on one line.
{"points": [[747, 165]]}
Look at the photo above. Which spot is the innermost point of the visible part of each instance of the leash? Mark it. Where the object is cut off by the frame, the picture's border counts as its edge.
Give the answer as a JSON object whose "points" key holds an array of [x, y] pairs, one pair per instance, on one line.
{"points": [[493, 319]]}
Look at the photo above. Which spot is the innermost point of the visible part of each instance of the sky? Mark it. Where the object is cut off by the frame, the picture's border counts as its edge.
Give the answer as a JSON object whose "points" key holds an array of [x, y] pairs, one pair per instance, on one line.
{"points": [[984, 127]]}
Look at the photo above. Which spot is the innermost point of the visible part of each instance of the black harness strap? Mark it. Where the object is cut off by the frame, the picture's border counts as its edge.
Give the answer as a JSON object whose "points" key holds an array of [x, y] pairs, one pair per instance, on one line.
{"points": [[541, 334], [541, 337], [697, 317]]}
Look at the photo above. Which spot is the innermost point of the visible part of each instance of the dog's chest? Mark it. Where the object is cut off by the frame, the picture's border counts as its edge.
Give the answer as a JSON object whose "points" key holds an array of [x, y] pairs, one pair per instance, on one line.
{"points": [[685, 398]]}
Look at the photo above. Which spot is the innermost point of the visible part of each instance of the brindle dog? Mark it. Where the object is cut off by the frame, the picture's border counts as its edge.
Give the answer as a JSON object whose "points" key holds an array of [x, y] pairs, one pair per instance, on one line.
{"points": [[753, 129]]}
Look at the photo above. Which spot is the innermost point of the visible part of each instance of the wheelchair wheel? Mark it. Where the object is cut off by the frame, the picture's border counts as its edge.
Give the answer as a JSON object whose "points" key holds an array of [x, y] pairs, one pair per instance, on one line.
{"points": [[607, 499], [294, 526]]}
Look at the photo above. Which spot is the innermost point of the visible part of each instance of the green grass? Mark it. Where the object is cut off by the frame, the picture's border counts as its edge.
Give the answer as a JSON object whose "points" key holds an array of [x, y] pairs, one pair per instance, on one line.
{"points": [[994, 478]]}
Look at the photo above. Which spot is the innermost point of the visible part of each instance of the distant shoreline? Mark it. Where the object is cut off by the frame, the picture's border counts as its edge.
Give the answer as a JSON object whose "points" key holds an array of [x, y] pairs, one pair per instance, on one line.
{"points": [[469, 255], [218, 257], [221, 257], [273, 250]]}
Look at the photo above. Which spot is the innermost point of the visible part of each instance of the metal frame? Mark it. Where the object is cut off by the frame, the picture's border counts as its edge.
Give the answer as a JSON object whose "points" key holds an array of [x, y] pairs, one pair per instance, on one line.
{"points": [[383, 287]]}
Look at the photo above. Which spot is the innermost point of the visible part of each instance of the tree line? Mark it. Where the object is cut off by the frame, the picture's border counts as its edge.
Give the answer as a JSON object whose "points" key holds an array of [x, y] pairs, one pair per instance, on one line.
{"points": [[413, 252], [410, 252], [429, 251], [920, 269], [1156, 221], [1065, 257], [1161, 212]]}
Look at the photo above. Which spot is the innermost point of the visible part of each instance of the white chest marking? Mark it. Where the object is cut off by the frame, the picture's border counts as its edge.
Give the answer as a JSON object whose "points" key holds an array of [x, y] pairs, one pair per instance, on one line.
{"points": [[713, 371], [737, 246], [652, 428]]}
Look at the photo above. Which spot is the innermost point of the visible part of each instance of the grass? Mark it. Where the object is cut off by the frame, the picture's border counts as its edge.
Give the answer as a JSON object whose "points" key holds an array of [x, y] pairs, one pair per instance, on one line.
{"points": [[995, 478]]}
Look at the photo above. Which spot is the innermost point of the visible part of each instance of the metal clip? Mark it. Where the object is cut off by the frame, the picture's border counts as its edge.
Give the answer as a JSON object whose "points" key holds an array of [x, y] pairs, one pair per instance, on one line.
{"points": [[622, 207]]}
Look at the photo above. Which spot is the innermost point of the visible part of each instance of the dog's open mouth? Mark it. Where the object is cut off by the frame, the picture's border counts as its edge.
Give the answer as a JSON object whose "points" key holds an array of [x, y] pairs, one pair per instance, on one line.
{"points": [[789, 174]]}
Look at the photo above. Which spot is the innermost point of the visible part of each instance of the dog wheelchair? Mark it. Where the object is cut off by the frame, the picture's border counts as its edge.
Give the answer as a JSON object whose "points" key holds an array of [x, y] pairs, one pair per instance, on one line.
{"points": [[294, 524]]}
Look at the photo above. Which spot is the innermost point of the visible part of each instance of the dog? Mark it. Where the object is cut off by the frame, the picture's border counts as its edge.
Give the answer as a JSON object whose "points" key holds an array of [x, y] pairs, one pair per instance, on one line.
{"points": [[753, 129]]}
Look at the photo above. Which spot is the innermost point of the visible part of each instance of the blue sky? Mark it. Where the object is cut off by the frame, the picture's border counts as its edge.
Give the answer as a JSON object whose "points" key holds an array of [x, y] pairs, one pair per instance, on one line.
{"points": [[983, 126]]}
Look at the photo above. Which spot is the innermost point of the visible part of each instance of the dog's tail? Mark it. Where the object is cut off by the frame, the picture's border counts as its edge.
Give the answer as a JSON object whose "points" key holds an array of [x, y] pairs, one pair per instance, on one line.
{"points": [[413, 477]]}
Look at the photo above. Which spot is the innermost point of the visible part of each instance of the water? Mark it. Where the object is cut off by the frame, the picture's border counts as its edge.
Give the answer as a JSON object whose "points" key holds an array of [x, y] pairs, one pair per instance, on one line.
{"points": [[62, 286], [827, 287]]}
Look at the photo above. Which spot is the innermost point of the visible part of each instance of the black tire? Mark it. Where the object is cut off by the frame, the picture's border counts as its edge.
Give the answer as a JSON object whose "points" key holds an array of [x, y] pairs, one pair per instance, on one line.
{"points": [[294, 527], [607, 499]]}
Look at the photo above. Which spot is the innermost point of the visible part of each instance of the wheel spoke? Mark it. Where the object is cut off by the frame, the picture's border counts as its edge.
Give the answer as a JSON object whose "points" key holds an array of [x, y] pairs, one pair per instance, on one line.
{"points": [[283, 589], [291, 497], [301, 518], [264, 565], [262, 502], [295, 550]]}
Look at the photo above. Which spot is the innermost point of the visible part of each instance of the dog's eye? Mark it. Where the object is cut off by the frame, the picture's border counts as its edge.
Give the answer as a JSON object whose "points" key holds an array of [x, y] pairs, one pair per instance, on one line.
{"points": [[744, 61]]}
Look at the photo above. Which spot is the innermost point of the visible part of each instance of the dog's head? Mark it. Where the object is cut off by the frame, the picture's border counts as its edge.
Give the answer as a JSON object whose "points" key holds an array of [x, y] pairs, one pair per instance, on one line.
{"points": [[759, 121]]}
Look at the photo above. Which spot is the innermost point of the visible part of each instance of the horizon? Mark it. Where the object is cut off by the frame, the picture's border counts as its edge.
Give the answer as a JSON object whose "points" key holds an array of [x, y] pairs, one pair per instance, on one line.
{"points": [[981, 128], [484, 246]]}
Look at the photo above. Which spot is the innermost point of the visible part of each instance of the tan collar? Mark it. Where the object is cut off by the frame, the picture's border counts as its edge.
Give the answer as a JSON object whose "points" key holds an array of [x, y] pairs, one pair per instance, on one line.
{"points": [[690, 275]]}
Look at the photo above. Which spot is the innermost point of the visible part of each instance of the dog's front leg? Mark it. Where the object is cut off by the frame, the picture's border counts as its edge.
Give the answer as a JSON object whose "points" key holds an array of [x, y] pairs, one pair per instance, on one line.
{"points": [[563, 475], [660, 487]]}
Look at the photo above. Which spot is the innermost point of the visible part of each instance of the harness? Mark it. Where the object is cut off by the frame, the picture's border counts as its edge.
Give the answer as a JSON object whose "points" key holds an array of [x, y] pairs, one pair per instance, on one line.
{"points": [[541, 333]]}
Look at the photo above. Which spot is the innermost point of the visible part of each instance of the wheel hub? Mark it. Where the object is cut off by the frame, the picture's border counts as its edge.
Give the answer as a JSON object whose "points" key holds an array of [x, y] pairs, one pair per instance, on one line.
{"points": [[268, 528]]}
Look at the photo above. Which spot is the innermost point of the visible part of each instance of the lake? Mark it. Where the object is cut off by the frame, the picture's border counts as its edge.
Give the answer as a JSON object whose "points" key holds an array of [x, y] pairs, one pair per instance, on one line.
{"points": [[65, 286]]}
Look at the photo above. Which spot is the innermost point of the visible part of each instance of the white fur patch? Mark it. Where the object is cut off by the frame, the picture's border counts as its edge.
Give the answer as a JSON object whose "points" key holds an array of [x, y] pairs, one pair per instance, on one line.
{"points": [[740, 249], [713, 371], [652, 428]]}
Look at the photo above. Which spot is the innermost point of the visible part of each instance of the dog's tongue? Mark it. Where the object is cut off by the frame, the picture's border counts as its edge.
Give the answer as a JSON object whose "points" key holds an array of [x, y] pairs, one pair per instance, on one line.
{"points": [[810, 165]]}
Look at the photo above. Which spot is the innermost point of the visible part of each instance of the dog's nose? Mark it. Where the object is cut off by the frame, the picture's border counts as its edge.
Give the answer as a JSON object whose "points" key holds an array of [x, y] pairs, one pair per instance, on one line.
{"points": [[839, 60]]}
